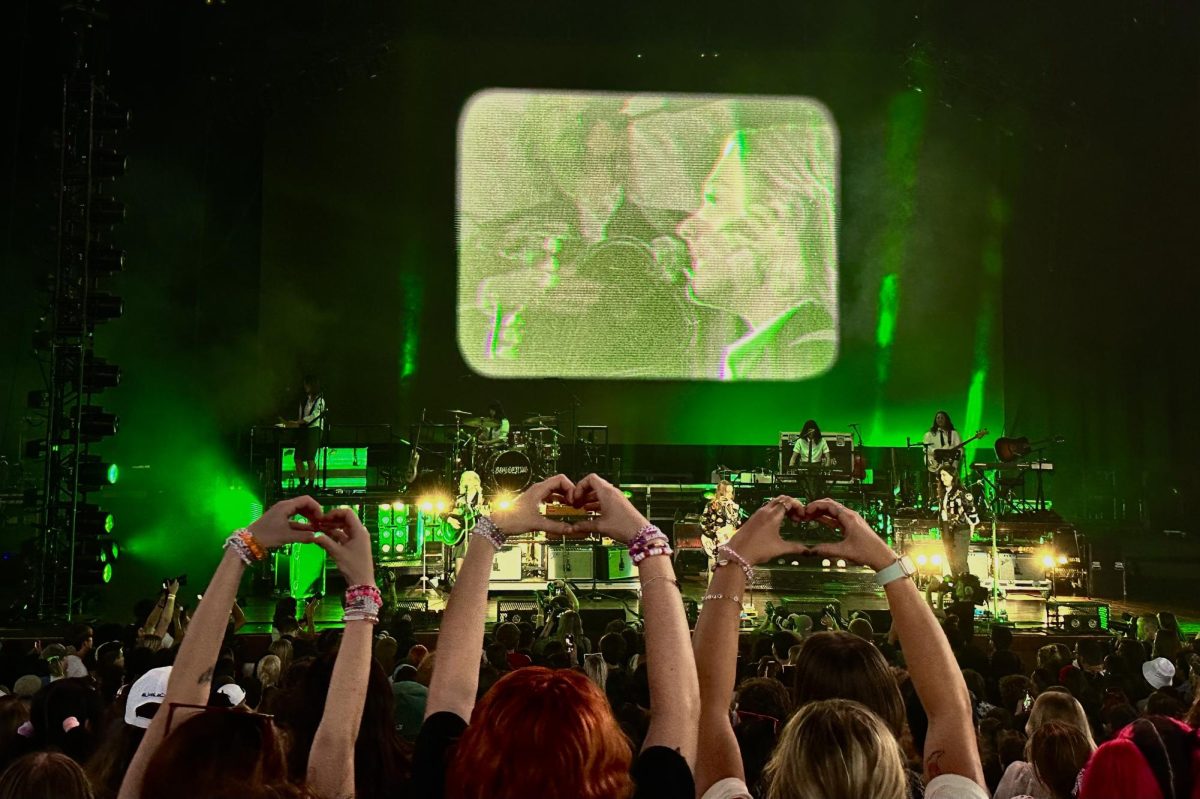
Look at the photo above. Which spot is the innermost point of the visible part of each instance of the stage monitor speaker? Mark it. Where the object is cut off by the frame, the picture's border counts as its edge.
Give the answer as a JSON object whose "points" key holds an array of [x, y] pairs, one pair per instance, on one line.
{"points": [[596, 619], [506, 565], [516, 609], [570, 562], [689, 562], [418, 611]]}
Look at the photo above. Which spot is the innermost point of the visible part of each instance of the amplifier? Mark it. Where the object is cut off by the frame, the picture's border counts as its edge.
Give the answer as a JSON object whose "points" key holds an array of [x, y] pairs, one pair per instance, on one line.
{"points": [[569, 563], [614, 563], [507, 564]]}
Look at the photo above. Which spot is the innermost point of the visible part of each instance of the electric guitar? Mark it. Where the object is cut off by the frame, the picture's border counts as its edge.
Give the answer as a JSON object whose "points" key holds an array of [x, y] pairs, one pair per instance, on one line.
{"points": [[1011, 449], [935, 459]]}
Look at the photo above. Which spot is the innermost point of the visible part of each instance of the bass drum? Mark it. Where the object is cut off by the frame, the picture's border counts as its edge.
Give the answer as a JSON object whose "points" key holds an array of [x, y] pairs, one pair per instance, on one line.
{"points": [[510, 471]]}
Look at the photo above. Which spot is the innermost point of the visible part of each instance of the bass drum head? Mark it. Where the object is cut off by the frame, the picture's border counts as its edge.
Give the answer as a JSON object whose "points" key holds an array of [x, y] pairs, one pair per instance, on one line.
{"points": [[510, 471]]}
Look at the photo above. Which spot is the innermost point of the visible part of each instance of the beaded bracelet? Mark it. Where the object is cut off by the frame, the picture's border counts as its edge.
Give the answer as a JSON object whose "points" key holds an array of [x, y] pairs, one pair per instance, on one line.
{"points": [[736, 599], [246, 546], [747, 569], [363, 603], [486, 529], [648, 542]]}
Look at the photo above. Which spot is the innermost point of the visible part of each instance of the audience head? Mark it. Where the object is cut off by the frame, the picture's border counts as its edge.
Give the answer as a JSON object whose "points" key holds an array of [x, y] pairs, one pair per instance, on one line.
{"points": [[836, 749], [508, 636], [1061, 707], [764, 696], [221, 754], [1147, 626], [268, 670], [27, 686], [613, 648], [535, 726], [45, 775], [596, 669], [65, 716], [1090, 653], [1166, 644], [497, 656], [569, 623], [862, 628], [1152, 757], [975, 684], [1059, 751], [782, 643], [838, 665]]}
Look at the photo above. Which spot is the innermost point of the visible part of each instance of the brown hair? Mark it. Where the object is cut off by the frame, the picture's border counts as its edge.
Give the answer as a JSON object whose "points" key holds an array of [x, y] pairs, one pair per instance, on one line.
{"points": [[839, 665], [45, 775], [838, 750], [1060, 751], [1061, 707]]}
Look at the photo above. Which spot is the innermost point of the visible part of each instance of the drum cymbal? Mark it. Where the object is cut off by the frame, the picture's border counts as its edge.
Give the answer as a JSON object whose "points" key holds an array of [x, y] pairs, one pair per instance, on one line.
{"points": [[479, 421], [453, 412], [542, 419]]}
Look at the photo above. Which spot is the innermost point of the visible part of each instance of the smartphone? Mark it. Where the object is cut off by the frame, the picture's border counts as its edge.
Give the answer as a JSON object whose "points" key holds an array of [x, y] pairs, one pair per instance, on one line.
{"points": [[809, 532]]}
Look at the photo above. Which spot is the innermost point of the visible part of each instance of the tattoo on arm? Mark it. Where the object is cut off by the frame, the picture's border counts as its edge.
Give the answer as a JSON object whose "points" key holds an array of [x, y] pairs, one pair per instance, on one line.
{"points": [[933, 762], [206, 677]]}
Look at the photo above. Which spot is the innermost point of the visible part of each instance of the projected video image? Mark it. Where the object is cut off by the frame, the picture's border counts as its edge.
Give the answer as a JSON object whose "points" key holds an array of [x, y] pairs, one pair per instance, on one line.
{"points": [[647, 236]]}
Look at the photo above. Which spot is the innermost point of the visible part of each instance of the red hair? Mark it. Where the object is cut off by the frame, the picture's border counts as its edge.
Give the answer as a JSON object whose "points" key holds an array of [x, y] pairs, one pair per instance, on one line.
{"points": [[542, 733]]}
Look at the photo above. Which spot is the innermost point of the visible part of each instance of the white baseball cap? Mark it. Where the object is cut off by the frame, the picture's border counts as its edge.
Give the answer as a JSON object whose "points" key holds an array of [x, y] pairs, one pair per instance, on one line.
{"points": [[1159, 672], [150, 689], [234, 692]]}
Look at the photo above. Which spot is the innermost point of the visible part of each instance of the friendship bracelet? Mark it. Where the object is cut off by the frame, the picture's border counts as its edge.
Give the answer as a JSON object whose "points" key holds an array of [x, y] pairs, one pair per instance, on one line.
{"points": [[649, 542], [356, 592], [659, 577], [731, 597], [486, 529], [747, 569], [246, 546]]}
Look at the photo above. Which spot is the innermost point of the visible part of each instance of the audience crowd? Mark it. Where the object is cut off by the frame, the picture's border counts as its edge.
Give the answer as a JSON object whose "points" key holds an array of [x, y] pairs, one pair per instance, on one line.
{"points": [[176, 705]]}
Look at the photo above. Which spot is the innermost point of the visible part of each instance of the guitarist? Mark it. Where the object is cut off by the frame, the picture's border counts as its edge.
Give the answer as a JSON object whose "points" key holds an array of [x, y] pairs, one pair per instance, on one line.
{"points": [[720, 518], [942, 435], [957, 510]]}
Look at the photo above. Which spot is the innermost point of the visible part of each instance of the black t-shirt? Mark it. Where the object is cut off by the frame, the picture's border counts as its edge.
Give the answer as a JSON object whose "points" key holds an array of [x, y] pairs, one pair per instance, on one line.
{"points": [[659, 772]]}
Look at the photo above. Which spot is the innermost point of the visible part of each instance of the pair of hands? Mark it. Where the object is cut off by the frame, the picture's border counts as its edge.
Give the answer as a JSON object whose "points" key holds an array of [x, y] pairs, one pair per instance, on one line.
{"points": [[342, 535], [758, 540]]}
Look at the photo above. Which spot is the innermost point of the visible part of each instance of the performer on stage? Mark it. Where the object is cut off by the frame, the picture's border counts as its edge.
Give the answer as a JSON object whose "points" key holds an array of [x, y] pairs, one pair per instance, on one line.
{"points": [[810, 447], [497, 433], [957, 510], [942, 435], [720, 519], [310, 425]]}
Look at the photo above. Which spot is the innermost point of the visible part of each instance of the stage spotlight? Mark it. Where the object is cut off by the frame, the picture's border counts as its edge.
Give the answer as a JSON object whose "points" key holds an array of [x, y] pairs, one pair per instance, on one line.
{"points": [[937, 560], [90, 519], [99, 374], [922, 560], [384, 508], [426, 505], [441, 506], [825, 563], [386, 548], [96, 423], [504, 501], [1048, 561], [400, 506], [94, 571], [841, 564], [107, 211], [1062, 560], [95, 473], [108, 163], [102, 307], [105, 259]]}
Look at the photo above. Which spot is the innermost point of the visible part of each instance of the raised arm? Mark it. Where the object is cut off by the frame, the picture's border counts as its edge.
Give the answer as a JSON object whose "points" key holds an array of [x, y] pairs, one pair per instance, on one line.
{"points": [[191, 677], [168, 610], [152, 620], [950, 744], [331, 758], [460, 642], [715, 643], [674, 695]]}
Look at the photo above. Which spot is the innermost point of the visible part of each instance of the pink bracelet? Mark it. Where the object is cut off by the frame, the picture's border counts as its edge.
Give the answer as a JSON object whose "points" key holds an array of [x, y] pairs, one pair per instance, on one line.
{"points": [[730, 555], [649, 542], [363, 603], [486, 529]]}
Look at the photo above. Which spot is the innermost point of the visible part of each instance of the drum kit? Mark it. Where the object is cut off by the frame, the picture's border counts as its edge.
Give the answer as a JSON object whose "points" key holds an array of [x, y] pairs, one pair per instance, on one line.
{"points": [[508, 463]]}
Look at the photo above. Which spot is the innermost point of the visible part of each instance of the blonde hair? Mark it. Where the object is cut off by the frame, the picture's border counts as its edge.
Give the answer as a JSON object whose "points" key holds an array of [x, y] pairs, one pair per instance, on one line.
{"points": [[1058, 706], [268, 670], [836, 749], [596, 669]]}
